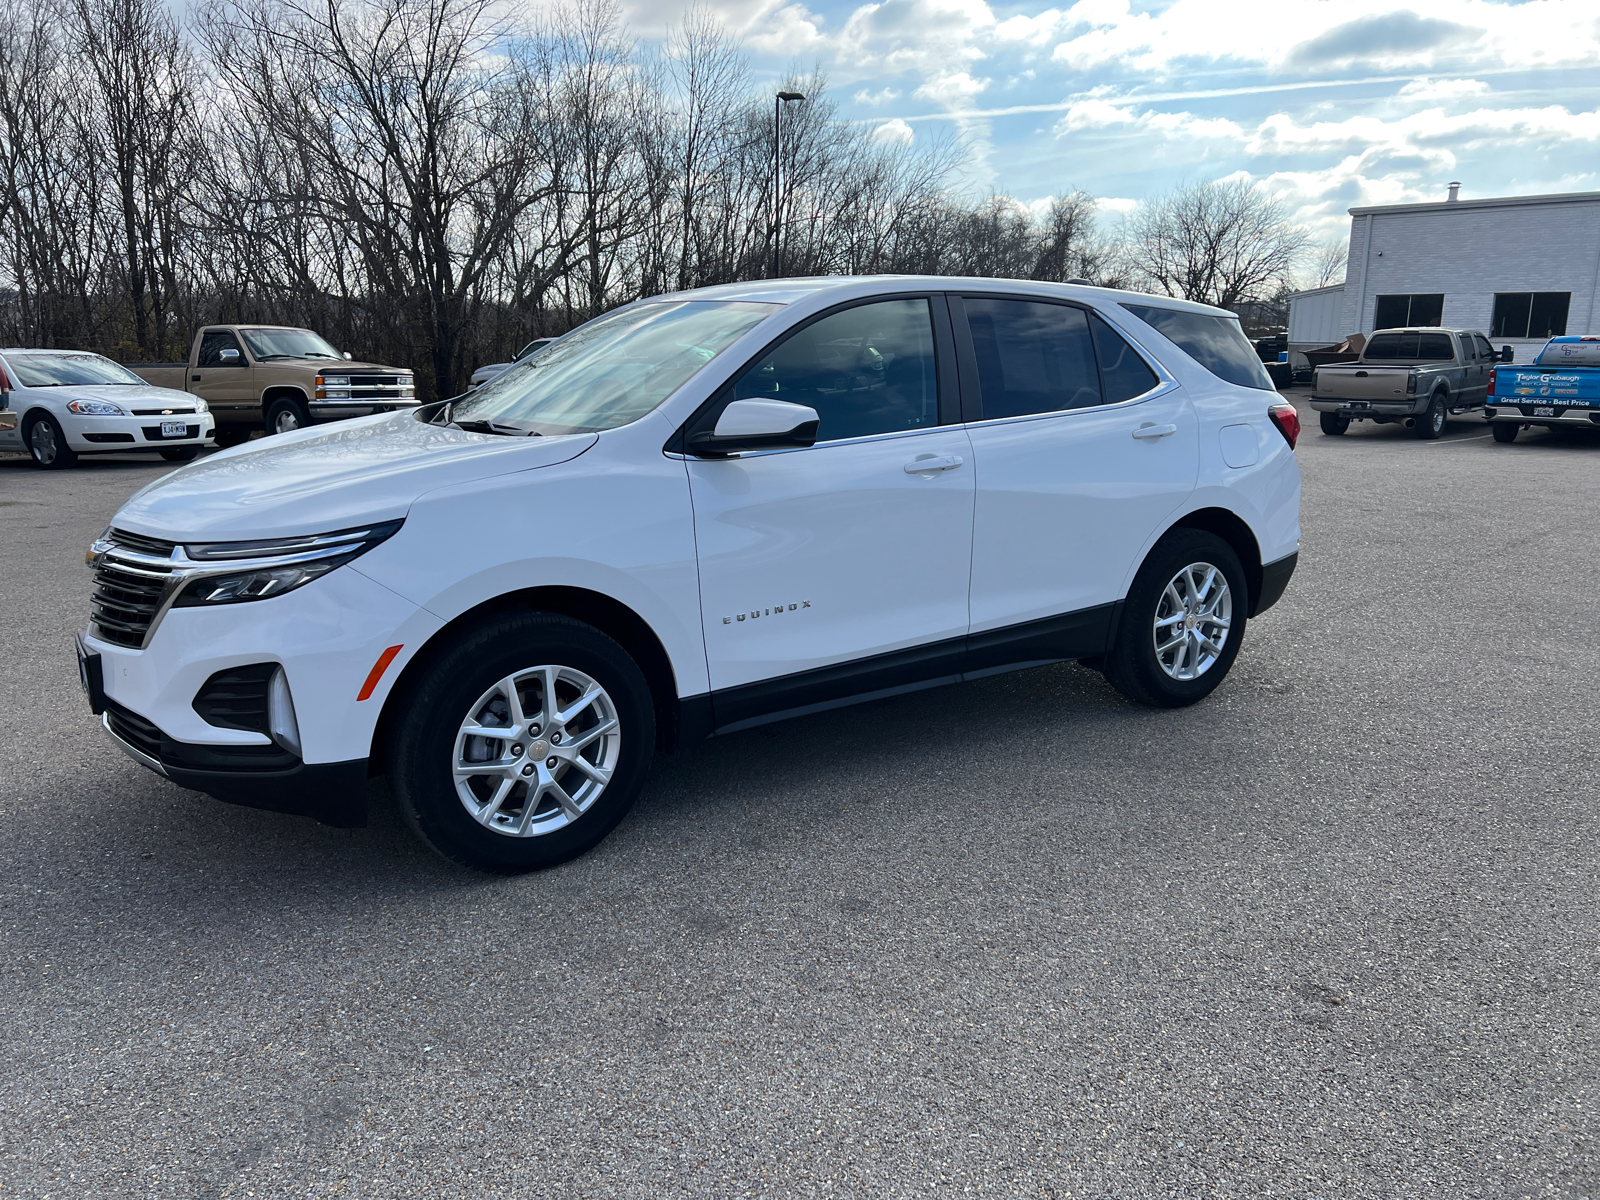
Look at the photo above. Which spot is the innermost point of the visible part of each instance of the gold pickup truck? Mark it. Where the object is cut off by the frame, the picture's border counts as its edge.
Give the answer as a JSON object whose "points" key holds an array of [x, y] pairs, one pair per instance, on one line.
{"points": [[278, 378]]}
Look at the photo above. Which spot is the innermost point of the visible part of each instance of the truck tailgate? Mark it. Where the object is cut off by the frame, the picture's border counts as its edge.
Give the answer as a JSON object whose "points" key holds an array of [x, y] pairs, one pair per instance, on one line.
{"points": [[1353, 382], [167, 375], [1578, 386]]}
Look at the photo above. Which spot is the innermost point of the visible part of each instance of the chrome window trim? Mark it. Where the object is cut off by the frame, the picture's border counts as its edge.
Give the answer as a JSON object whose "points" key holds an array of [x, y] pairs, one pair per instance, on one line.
{"points": [[855, 441], [1162, 388]]}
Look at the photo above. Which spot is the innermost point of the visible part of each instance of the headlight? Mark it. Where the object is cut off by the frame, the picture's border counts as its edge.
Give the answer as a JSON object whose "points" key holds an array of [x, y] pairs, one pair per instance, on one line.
{"points": [[333, 381], [271, 568], [96, 408], [200, 405]]}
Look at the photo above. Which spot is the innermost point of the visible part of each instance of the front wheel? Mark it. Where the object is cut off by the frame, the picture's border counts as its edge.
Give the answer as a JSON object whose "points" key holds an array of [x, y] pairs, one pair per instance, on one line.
{"points": [[1505, 431], [1334, 424], [1430, 424], [1182, 621], [522, 744], [47, 444], [286, 415]]}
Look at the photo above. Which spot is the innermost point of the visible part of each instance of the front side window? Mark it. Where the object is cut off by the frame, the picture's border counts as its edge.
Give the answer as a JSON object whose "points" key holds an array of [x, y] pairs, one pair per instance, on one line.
{"points": [[1530, 314], [1032, 357], [867, 370], [63, 370], [1484, 349], [213, 343], [1217, 343], [1408, 309], [610, 372], [268, 344]]}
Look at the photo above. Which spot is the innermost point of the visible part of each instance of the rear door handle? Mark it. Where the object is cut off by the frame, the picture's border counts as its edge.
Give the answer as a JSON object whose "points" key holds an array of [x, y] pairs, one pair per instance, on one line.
{"points": [[928, 464], [1149, 432]]}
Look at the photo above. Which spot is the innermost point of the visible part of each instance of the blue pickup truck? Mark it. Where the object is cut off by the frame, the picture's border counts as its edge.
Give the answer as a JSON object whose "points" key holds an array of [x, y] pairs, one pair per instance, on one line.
{"points": [[1560, 387]]}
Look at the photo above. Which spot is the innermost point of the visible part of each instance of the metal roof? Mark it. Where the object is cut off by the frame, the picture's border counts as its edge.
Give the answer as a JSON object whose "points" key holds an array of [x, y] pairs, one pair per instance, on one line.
{"points": [[1491, 202]]}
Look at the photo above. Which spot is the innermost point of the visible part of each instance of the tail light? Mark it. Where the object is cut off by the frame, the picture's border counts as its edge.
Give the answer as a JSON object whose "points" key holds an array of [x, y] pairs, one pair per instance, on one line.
{"points": [[1287, 420], [1492, 374]]}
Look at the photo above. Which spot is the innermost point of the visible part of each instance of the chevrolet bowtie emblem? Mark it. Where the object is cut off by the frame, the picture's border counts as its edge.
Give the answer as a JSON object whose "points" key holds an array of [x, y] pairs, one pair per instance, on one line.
{"points": [[755, 614]]}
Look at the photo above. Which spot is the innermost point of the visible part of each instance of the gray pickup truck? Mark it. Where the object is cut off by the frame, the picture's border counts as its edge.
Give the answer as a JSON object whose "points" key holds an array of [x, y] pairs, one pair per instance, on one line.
{"points": [[1417, 377]]}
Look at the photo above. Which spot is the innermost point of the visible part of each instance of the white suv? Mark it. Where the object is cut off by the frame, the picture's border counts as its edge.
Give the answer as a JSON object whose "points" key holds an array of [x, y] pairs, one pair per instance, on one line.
{"points": [[696, 514]]}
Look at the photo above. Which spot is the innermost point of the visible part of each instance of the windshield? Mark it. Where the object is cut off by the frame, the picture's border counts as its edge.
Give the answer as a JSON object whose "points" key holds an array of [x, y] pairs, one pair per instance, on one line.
{"points": [[1409, 347], [1217, 343], [287, 343], [57, 370], [609, 372]]}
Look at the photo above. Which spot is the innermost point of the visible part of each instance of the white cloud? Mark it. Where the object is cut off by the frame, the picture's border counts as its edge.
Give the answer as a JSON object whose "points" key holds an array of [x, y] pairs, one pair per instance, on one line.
{"points": [[791, 30], [1444, 89], [1119, 205], [957, 89], [878, 98], [896, 132]]}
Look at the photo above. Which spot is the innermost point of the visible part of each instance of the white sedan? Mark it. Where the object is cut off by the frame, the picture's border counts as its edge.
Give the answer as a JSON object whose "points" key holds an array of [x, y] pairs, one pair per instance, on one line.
{"points": [[70, 402]]}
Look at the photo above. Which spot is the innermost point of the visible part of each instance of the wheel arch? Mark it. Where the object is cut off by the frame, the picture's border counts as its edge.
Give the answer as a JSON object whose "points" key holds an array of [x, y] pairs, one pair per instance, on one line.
{"points": [[607, 614], [283, 391], [1231, 528]]}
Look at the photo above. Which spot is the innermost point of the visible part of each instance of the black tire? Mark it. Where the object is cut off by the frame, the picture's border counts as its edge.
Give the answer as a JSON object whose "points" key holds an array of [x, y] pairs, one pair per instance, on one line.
{"points": [[47, 444], [180, 453], [286, 414], [1132, 666], [1334, 424], [423, 740], [230, 435], [1430, 424], [1505, 431]]}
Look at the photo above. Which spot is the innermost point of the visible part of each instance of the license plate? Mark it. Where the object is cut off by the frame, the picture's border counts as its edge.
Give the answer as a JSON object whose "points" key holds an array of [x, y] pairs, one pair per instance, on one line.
{"points": [[174, 429], [1356, 404], [1543, 410]]}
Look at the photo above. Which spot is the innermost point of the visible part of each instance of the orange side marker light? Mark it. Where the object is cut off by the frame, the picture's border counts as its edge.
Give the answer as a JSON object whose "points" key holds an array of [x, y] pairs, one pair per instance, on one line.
{"points": [[378, 668]]}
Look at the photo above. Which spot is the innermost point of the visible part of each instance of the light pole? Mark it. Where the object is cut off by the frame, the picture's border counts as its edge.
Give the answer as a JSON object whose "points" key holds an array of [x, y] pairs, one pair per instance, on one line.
{"points": [[777, 167]]}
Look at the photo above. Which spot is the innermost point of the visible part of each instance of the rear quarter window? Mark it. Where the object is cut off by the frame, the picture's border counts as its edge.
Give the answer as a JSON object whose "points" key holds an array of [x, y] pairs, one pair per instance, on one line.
{"points": [[1217, 343]]}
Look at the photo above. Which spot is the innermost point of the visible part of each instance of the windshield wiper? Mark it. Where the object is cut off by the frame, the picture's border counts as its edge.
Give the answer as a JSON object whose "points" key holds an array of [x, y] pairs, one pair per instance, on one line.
{"points": [[501, 427], [270, 357]]}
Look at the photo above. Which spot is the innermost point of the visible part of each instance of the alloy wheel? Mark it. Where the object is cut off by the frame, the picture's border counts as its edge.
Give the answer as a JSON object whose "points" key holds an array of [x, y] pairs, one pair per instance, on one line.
{"points": [[287, 421], [1192, 621], [42, 440], [536, 750]]}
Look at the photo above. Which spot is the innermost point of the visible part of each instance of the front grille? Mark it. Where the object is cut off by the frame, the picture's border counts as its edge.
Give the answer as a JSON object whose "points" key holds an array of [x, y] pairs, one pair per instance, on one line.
{"points": [[375, 387], [147, 738], [142, 735], [140, 544], [126, 596], [237, 698], [162, 412], [152, 433]]}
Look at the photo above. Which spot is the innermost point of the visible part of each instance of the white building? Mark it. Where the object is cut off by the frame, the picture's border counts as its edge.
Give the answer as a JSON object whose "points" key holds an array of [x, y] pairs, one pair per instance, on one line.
{"points": [[1316, 319], [1520, 268]]}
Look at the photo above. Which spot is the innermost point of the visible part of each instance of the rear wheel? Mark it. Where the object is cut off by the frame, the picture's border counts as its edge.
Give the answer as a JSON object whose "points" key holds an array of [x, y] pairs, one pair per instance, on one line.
{"points": [[1505, 431], [1334, 424], [1430, 424], [180, 453], [1182, 621], [523, 744], [287, 414], [47, 444]]}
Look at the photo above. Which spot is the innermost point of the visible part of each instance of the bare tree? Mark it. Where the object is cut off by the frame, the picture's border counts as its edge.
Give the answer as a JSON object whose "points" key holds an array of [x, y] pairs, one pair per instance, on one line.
{"points": [[1328, 262], [1221, 243]]}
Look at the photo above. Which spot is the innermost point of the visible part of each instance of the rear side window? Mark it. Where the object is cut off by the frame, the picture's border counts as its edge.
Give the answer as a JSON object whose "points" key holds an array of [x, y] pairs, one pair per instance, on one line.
{"points": [[1217, 343], [1123, 373], [1032, 357], [867, 370]]}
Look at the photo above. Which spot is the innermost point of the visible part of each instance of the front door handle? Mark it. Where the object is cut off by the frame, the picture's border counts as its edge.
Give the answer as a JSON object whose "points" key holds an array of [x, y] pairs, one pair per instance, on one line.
{"points": [[927, 464], [1148, 432]]}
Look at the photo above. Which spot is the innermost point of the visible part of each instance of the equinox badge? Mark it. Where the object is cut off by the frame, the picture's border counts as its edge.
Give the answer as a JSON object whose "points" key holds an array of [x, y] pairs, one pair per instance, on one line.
{"points": [[757, 613]]}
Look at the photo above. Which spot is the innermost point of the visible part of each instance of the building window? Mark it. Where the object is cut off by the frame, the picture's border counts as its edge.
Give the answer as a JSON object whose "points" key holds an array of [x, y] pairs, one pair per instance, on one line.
{"points": [[1399, 312], [1530, 314]]}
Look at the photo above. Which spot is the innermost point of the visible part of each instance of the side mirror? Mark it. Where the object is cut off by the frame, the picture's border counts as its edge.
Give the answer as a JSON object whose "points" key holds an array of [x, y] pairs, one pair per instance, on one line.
{"points": [[1506, 354], [757, 424], [227, 356], [347, 356]]}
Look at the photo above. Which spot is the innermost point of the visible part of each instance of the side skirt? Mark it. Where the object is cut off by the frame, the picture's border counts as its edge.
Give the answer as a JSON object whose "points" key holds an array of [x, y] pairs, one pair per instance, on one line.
{"points": [[1062, 638]]}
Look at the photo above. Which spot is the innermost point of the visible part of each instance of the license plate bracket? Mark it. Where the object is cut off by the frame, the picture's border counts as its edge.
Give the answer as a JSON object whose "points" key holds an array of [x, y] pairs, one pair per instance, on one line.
{"points": [[91, 674], [1544, 410]]}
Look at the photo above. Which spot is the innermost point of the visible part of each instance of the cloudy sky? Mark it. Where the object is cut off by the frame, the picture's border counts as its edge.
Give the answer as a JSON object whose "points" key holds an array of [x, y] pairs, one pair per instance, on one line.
{"points": [[1330, 103]]}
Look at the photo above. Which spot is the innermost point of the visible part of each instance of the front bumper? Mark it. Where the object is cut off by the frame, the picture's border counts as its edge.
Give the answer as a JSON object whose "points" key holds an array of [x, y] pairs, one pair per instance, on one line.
{"points": [[1371, 408], [326, 635], [343, 410], [108, 435]]}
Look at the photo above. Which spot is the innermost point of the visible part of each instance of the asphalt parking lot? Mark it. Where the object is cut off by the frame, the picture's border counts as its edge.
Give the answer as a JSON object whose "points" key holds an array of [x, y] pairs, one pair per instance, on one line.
{"points": [[1331, 933]]}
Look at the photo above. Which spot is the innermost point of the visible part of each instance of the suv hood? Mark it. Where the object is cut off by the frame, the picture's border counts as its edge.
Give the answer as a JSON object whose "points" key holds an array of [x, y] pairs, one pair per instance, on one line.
{"points": [[321, 479]]}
